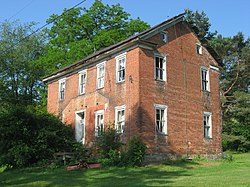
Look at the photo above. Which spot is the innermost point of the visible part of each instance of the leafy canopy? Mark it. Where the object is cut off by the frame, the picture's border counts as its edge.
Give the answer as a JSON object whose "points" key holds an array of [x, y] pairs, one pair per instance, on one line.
{"points": [[79, 32]]}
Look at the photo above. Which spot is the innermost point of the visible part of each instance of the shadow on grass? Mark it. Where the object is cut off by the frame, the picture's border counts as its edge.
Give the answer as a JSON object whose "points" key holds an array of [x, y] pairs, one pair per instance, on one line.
{"points": [[152, 175]]}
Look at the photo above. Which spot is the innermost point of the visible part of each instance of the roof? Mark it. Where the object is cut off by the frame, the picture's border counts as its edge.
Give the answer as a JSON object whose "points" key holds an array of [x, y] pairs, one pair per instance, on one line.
{"points": [[137, 37]]}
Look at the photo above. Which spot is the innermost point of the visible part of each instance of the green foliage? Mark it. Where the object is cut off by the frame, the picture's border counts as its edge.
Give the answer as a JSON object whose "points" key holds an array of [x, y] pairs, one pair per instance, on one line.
{"points": [[200, 24], [20, 70], [136, 152], [79, 32], [235, 143], [114, 153], [29, 135]]}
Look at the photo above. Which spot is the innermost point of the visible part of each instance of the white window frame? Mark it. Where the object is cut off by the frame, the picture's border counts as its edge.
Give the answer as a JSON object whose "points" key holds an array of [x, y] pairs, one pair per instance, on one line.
{"points": [[207, 124], [159, 69], [100, 79], [164, 37], [99, 127], [82, 85], [199, 48], [119, 58], [163, 119], [205, 79], [121, 123], [61, 89]]}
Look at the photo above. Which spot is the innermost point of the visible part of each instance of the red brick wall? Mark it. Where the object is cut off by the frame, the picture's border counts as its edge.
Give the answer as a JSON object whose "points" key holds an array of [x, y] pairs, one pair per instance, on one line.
{"points": [[140, 92], [182, 94]]}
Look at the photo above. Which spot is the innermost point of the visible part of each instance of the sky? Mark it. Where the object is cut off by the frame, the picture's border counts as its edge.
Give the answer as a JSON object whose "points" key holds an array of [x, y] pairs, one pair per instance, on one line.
{"points": [[228, 17]]}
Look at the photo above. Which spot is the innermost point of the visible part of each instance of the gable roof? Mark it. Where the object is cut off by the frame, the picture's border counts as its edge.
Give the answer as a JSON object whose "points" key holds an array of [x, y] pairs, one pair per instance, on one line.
{"points": [[132, 39], [136, 37]]}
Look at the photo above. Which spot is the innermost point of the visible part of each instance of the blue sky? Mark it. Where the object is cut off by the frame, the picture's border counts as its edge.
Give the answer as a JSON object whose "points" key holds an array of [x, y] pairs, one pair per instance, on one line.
{"points": [[226, 16]]}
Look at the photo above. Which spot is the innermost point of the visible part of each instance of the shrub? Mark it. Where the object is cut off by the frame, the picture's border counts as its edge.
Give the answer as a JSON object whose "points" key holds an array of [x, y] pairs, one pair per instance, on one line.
{"points": [[136, 152], [114, 153], [29, 135]]}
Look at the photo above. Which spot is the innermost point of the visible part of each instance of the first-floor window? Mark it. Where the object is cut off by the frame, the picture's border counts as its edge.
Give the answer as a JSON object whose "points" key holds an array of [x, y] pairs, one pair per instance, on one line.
{"points": [[207, 124], [62, 84], [120, 119], [161, 119], [99, 122]]}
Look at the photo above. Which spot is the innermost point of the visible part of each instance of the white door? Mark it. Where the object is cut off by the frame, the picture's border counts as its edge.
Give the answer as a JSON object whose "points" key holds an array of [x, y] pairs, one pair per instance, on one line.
{"points": [[80, 126]]}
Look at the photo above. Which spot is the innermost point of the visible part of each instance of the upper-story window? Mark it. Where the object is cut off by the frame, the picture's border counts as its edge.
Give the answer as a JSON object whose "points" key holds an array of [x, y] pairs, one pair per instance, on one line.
{"points": [[160, 68], [62, 84], [205, 79], [199, 49], [99, 122], [120, 119], [82, 82], [100, 75], [120, 67], [164, 37], [161, 119], [207, 124]]}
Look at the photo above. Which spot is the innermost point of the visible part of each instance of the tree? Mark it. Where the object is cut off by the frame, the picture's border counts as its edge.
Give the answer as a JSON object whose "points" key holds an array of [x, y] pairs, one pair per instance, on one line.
{"points": [[79, 32], [200, 24], [20, 72]]}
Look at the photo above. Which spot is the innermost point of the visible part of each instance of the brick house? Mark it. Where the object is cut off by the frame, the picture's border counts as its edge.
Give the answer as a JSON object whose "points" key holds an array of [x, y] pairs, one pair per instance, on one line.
{"points": [[161, 84]]}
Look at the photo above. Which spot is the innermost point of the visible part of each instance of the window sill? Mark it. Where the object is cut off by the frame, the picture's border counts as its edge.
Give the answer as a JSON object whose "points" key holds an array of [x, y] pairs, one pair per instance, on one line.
{"points": [[161, 134], [120, 82], [159, 80], [99, 88], [206, 91], [208, 138]]}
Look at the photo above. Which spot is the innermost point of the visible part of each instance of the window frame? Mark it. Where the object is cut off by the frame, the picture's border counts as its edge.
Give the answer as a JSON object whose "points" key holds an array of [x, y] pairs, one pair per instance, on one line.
{"points": [[60, 90], [100, 79], [163, 69], [118, 70], [207, 128], [123, 121], [163, 108], [205, 87], [199, 49], [164, 36], [82, 85], [98, 113]]}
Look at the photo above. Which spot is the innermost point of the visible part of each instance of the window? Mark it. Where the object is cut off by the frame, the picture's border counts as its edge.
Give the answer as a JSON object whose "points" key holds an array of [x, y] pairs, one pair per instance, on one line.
{"points": [[100, 75], [99, 122], [205, 79], [120, 67], [120, 119], [160, 68], [161, 119], [199, 49], [82, 82], [164, 37], [207, 124], [62, 83]]}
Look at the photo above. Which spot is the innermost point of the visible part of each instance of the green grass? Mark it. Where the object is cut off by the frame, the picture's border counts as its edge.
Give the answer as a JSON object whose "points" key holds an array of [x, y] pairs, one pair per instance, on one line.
{"points": [[180, 173]]}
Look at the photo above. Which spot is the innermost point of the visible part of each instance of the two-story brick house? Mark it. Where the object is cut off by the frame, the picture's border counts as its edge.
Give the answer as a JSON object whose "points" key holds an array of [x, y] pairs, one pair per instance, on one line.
{"points": [[161, 85]]}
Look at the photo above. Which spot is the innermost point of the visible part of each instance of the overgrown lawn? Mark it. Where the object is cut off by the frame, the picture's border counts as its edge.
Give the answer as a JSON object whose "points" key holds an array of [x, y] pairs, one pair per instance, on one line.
{"points": [[179, 173]]}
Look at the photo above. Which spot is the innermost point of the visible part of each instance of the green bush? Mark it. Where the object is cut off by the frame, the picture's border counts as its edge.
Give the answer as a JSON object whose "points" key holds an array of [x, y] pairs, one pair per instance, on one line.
{"points": [[29, 135], [136, 152], [114, 153], [235, 143]]}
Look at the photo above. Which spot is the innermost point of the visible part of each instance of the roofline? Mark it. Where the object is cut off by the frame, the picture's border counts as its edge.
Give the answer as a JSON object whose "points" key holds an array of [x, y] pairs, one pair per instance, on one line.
{"points": [[134, 38]]}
